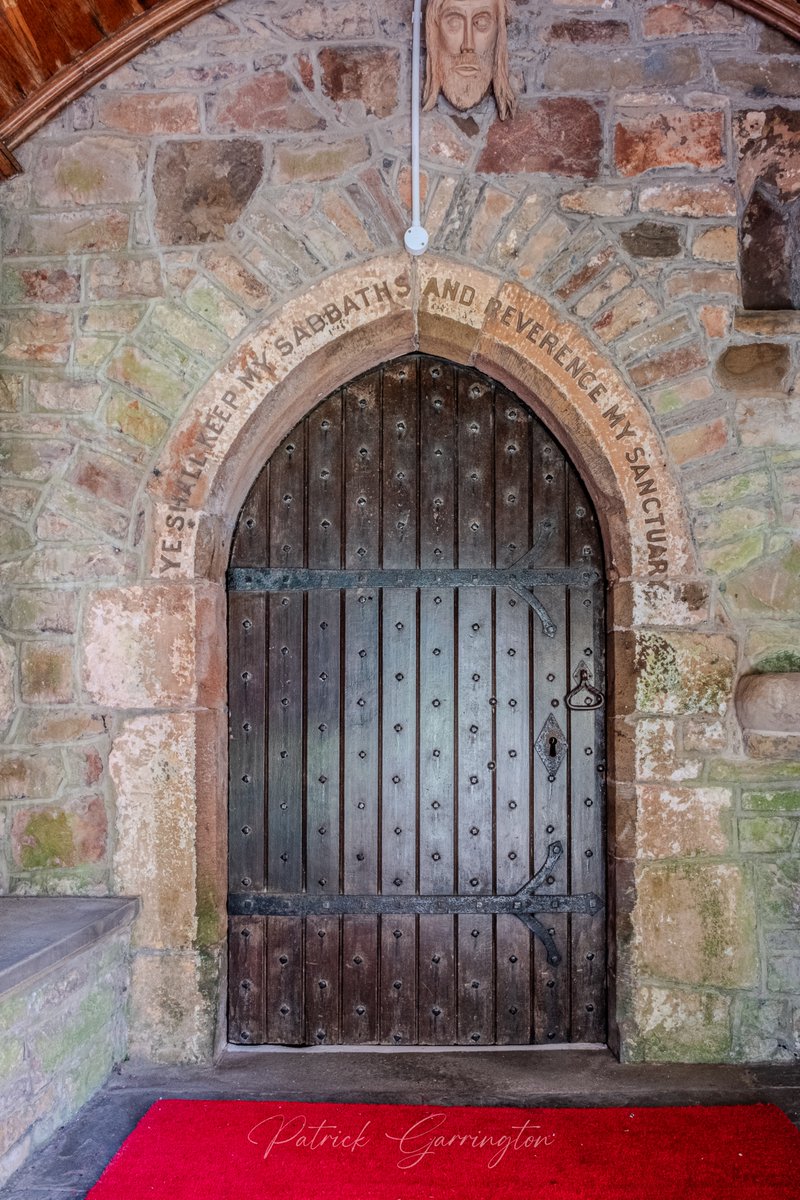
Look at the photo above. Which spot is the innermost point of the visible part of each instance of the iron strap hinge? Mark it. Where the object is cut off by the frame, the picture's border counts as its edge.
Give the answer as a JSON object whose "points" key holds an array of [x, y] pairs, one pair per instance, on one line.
{"points": [[289, 579], [524, 904]]}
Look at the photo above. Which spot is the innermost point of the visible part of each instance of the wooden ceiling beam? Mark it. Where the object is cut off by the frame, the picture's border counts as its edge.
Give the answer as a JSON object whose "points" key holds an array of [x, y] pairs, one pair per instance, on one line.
{"points": [[87, 69]]}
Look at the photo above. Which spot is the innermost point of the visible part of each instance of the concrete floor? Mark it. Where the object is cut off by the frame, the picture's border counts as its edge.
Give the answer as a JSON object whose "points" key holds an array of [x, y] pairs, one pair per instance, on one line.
{"points": [[72, 1161]]}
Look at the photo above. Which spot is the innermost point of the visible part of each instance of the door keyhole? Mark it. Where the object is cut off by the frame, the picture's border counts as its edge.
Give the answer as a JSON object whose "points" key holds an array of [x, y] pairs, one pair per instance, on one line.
{"points": [[553, 750]]}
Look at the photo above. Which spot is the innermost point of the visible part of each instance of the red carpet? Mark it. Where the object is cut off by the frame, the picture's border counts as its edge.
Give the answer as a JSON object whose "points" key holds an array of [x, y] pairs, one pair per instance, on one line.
{"points": [[242, 1150]]}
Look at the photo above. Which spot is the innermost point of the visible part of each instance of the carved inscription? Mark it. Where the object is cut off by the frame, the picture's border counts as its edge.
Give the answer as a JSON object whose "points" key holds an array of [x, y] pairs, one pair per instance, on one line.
{"points": [[257, 373]]}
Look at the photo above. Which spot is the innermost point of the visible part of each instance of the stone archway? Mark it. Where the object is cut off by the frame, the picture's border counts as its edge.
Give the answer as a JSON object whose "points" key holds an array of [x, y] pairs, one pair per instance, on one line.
{"points": [[335, 330]]}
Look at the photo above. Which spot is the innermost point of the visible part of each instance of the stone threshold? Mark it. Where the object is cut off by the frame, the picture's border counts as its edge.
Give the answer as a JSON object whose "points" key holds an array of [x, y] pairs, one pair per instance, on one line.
{"points": [[39, 932]]}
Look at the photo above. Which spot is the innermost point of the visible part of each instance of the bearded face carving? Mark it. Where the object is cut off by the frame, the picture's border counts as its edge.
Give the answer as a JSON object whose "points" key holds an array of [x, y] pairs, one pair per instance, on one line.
{"points": [[467, 54]]}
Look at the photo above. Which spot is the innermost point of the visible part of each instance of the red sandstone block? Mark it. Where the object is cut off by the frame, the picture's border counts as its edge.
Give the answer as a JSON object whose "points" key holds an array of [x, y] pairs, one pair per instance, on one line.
{"points": [[558, 136], [670, 365], [676, 137], [370, 74], [169, 112], [700, 442]]}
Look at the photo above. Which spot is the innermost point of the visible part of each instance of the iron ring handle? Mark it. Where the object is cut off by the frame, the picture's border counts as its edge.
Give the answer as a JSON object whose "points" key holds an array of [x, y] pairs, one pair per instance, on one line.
{"points": [[593, 700]]}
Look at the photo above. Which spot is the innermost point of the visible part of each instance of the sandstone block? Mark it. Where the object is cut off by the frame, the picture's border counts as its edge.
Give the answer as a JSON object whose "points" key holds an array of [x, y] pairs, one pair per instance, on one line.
{"points": [[45, 673], [769, 587], [699, 442], [702, 282], [37, 335], [766, 835], [317, 160], [670, 365], [135, 419], [716, 320], [105, 478], [42, 727], [68, 232], [770, 77], [778, 890], [29, 776], [783, 961], [32, 460], [690, 200], [90, 170], [681, 822], [632, 308], [785, 800], [581, 33], [270, 101], [232, 273], [686, 19], [650, 239], [369, 74], [45, 283], [762, 1031], [8, 661], [148, 113], [125, 277], [684, 673], [325, 20], [598, 201], [559, 136], [754, 369], [768, 141], [681, 1026], [696, 924], [202, 187], [620, 70], [672, 138], [172, 1009], [152, 765], [717, 245], [70, 835], [147, 377], [769, 703]]}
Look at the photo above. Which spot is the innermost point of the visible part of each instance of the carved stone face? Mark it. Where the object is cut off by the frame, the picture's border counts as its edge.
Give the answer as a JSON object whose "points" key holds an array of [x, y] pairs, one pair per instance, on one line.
{"points": [[467, 38]]}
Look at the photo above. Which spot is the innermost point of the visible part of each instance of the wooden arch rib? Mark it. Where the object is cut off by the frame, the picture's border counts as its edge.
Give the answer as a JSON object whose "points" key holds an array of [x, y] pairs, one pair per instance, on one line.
{"points": [[51, 53]]}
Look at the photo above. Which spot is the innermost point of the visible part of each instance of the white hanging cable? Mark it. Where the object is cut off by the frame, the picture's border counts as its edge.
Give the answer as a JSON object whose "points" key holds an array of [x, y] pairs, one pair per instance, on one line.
{"points": [[416, 238]]}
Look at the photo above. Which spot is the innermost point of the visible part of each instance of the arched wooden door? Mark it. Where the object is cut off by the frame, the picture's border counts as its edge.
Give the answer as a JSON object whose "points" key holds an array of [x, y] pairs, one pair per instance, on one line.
{"points": [[416, 740]]}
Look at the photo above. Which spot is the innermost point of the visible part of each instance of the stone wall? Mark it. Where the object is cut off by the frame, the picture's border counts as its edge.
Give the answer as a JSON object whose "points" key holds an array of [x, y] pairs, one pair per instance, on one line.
{"points": [[190, 228], [60, 1036]]}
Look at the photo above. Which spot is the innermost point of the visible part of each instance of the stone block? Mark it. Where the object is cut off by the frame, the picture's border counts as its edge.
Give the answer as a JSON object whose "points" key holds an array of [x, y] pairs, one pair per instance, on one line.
{"points": [[656, 752], [690, 199], [44, 283], [778, 891], [132, 417], [318, 161], [147, 113], [717, 245], [599, 201], [630, 309], [762, 1030], [754, 369], [366, 74], [620, 70], [769, 323], [41, 727], [142, 646], [89, 170], [769, 587], [766, 834], [716, 320], [691, 19], [760, 78], [674, 137], [172, 1013], [202, 187], [783, 960], [681, 822], [560, 136], [36, 460], [786, 800], [696, 924], [681, 1026], [69, 835], [580, 33], [769, 702], [671, 364], [46, 673], [699, 442], [768, 421], [214, 306], [324, 20], [152, 765], [65, 395], [232, 273], [684, 673], [705, 736], [38, 610], [702, 282], [26, 776], [37, 336], [105, 478], [8, 667], [651, 239], [125, 277], [147, 377]]}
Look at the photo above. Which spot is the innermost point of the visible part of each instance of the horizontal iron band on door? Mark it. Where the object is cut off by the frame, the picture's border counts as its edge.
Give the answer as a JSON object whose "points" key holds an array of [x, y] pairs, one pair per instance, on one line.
{"points": [[305, 904], [281, 579]]}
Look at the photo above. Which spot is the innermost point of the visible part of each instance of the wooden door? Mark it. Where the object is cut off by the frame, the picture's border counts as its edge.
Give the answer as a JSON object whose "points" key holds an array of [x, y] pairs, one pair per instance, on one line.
{"points": [[416, 738]]}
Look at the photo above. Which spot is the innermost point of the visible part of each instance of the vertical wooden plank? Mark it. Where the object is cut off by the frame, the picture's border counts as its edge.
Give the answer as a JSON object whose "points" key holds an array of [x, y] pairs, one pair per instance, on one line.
{"points": [[247, 700], [246, 981], [588, 941], [360, 706], [551, 818], [285, 694], [322, 980], [285, 801], [399, 822], [437, 709], [323, 646], [513, 671], [285, 1007], [251, 539], [476, 708]]}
